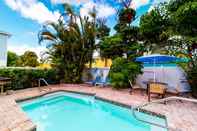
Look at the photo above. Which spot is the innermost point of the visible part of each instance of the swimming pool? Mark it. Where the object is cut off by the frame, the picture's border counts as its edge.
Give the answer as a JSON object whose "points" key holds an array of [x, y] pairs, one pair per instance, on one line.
{"points": [[64, 111]]}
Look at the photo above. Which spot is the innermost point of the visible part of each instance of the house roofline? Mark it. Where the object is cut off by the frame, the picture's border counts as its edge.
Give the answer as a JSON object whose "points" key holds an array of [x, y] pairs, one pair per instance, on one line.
{"points": [[5, 33]]}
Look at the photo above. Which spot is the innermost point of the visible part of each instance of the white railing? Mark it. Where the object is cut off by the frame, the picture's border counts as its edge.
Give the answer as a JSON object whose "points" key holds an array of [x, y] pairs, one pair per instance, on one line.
{"points": [[159, 101], [42, 79]]}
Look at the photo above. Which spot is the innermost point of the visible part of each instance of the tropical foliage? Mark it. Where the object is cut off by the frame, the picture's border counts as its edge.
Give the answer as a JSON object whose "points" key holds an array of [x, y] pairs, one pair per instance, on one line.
{"points": [[28, 59], [173, 21], [153, 28], [168, 28], [172, 29], [183, 15], [111, 47], [123, 47], [72, 42], [102, 29], [192, 76], [123, 70], [12, 59], [26, 78]]}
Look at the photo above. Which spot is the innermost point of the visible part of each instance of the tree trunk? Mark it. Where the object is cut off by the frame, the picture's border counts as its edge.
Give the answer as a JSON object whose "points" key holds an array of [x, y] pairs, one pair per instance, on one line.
{"points": [[105, 62]]}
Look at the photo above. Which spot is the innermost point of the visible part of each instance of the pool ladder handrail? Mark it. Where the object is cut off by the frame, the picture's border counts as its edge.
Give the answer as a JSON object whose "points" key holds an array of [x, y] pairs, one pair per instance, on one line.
{"points": [[159, 101], [42, 79]]}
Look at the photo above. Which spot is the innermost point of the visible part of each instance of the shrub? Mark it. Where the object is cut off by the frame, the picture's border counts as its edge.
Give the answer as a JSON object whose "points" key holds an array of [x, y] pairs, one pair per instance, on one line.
{"points": [[22, 78], [122, 71], [192, 77]]}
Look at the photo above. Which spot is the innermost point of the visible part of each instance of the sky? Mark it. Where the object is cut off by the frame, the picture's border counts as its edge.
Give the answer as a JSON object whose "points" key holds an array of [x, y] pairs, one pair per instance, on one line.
{"points": [[24, 18]]}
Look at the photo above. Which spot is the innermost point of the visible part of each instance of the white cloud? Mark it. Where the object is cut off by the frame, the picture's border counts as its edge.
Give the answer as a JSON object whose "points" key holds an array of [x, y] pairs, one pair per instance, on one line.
{"points": [[33, 10], [59, 1], [87, 7], [151, 8], [69, 1], [103, 10], [138, 3], [37, 11], [156, 2]]}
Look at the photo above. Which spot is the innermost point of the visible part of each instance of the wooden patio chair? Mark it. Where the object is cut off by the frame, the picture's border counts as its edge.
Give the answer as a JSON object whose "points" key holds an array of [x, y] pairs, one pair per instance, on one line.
{"points": [[156, 88], [132, 87], [4, 81]]}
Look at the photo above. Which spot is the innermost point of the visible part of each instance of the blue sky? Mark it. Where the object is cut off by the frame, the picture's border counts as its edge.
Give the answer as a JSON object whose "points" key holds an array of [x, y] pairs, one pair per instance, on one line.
{"points": [[24, 18]]}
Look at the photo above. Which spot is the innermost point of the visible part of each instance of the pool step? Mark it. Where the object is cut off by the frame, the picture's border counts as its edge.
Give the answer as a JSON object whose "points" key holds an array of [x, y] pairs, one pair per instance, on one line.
{"points": [[173, 98]]}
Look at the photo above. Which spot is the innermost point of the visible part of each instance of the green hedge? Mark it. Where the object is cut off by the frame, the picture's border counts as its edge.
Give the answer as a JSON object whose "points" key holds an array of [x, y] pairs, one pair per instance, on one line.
{"points": [[22, 78], [192, 77]]}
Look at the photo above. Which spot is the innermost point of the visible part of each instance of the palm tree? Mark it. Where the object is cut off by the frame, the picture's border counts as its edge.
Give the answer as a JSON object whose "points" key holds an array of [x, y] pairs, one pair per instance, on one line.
{"points": [[71, 43]]}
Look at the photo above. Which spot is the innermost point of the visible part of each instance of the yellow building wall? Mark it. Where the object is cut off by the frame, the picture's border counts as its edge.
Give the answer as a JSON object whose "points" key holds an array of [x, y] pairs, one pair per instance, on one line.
{"points": [[97, 63], [44, 66], [100, 63]]}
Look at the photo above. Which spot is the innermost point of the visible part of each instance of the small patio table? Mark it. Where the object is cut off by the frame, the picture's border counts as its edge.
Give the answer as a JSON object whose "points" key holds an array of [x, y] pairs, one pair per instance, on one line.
{"points": [[147, 85], [3, 82], [148, 82], [156, 88]]}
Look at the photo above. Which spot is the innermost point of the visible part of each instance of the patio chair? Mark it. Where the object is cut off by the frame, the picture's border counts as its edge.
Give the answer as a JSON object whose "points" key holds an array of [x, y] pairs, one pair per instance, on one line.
{"points": [[133, 87], [90, 82], [156, 88], [179, 91], [101, 81], [3, 82]]}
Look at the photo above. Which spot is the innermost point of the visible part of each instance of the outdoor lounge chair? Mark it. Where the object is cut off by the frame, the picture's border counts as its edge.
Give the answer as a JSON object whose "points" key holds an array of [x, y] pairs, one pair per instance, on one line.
{"points": [[94, 81], [90, 82], [4, 81], [98, 81], [101, 81], [156, 88]]}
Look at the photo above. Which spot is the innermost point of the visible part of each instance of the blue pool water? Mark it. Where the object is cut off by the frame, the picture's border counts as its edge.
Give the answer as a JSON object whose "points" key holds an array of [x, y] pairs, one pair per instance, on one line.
{"points": [[73, 112]]}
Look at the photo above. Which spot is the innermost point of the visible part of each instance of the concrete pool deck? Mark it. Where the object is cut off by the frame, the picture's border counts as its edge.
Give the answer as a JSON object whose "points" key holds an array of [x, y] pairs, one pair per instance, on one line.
{"points": [[181, 116]]}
